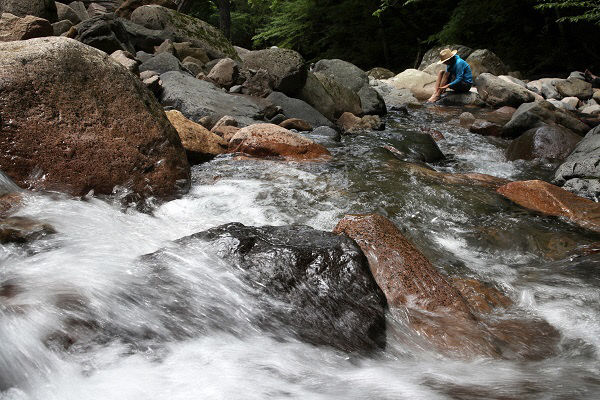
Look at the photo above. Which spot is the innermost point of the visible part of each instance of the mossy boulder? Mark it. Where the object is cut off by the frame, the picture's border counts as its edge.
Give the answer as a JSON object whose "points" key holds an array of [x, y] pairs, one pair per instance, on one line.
{"points": [[185, 29]]}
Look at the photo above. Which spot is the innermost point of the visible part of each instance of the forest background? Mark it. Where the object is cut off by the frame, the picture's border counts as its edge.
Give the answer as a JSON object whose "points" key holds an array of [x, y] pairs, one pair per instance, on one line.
{"points": [[536, 37]]}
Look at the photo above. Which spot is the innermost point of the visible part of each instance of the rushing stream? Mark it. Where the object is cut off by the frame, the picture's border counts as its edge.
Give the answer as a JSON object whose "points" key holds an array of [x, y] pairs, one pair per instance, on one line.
{"points": [[81, 317]]}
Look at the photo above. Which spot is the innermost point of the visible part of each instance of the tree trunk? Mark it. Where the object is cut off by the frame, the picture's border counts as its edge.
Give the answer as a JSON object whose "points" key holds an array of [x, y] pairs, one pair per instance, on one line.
{"points": [[224, 7]]}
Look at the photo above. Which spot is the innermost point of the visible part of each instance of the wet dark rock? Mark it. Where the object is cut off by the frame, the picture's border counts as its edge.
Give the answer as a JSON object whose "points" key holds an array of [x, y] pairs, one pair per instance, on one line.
{"points": [[526, 339], [547, 141], [531, 115], [580, 172], [417, 147], [485, 128], [104, 33], [482, 298], [23, 230], [311, 282], [296, 108]]}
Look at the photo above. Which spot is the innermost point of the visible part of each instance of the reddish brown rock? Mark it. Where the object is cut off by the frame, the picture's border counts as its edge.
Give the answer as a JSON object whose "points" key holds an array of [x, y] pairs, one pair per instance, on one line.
{"points": [[199, 143], [74, 120], [226, 132], [526, 339], [481, 297], [297, 124], [471, 179], [28, 27], [129, 6], [350, 123], [548, 199], [486, 128], [225, 121], [21, 230], [10, 203], [405, 275], [269, 140], [225, 73]]}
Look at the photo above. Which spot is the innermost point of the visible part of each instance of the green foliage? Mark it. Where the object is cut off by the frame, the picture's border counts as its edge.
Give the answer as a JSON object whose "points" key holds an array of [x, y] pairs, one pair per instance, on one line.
{"points": [[584, 10]]}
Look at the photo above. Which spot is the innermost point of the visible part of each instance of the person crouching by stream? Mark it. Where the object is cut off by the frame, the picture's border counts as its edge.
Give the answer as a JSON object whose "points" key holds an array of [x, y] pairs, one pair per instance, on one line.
{"points": [[458, 73]]}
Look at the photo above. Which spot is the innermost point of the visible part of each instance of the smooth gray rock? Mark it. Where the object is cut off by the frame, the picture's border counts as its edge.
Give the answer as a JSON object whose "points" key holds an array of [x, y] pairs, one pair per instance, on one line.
{"points": [[545, 87], [355, 79], [498, 92], [295, 108], [196, 99], [573, 87], [485, 61], [580, 172], [329, 97], [530, 115], [161, 63]]}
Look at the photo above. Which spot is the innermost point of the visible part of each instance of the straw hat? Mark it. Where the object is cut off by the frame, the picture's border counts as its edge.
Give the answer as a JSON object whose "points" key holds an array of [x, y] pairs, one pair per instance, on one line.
{"points": [[446, 54]]}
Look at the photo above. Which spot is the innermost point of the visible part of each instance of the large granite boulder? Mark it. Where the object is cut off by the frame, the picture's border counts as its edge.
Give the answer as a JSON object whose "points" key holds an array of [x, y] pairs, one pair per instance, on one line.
{"points": [[185, 29], [355, 79], [546, 141], [580, 172], [545, 87], [269, 140], [199, 143], [573, 87], [394, 97], [314, 93], [483, 60], [74, 120], [497, 92], [28, 27], [530, 115], [296, 108], [308, 284], [548, 199], [344, 99], [38, 8], [129, 6], [197, 98], [286, 67], [421, 84], [433, 55]]}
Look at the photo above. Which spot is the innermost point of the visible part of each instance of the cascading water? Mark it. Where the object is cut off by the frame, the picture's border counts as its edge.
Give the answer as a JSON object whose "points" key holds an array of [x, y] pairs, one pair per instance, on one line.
{"points": [[83, 317]]}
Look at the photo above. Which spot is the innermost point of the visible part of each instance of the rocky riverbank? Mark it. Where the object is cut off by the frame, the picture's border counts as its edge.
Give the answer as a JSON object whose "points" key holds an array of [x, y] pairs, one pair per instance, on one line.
{"points": [[111, 100]]}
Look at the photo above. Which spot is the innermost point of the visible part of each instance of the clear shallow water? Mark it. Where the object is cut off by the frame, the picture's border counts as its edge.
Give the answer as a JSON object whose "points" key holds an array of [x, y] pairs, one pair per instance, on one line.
{"points": [[88, 320]]}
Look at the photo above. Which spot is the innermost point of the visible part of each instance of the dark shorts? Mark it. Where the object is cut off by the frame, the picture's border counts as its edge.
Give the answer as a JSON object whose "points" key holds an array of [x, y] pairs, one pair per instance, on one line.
{"points": [[461, 87]]}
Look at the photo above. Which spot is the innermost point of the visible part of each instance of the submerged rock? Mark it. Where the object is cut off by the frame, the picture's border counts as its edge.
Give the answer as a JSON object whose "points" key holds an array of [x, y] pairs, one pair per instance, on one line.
{"points": [[416, 147], [313, 283], [548, 199], [23, 230], [269, 140], [79, 134]]}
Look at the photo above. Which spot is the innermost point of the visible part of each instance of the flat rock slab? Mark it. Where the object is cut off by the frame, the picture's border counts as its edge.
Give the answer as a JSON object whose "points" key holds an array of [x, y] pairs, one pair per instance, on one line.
{"points": [[548, 199]]}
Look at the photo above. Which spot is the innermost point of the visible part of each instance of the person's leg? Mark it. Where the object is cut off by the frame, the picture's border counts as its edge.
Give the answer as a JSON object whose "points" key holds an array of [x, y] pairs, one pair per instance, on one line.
{"points": [[442, 80]]}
